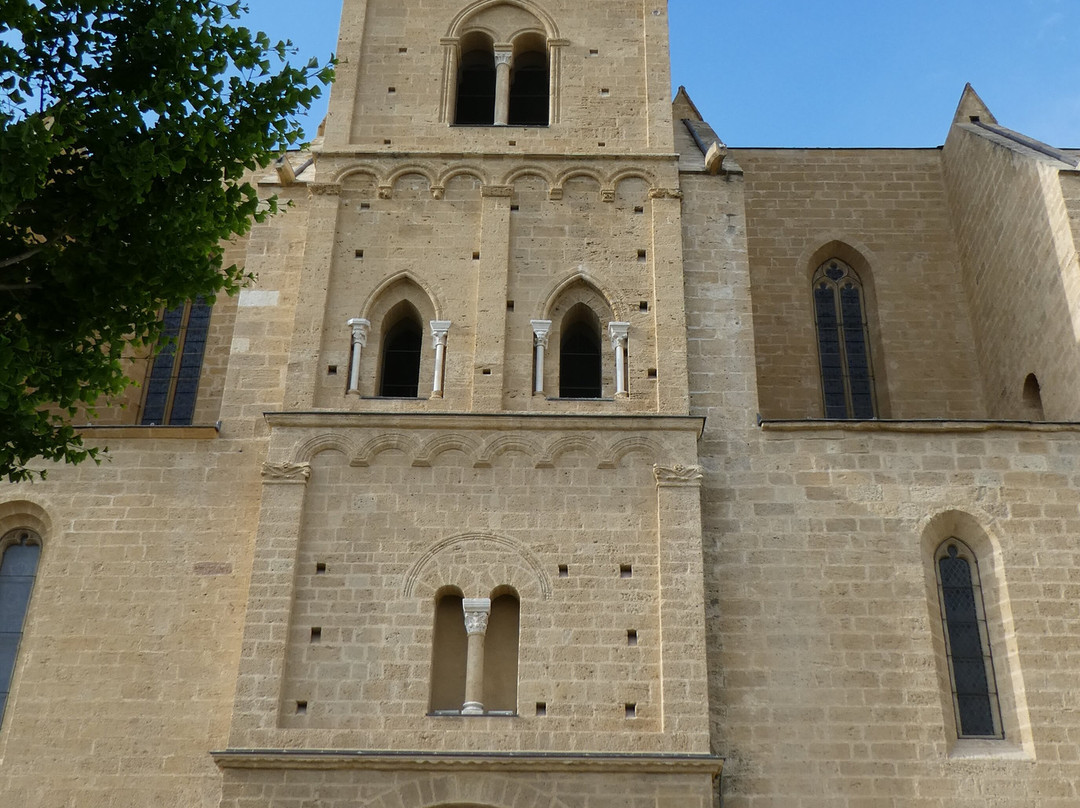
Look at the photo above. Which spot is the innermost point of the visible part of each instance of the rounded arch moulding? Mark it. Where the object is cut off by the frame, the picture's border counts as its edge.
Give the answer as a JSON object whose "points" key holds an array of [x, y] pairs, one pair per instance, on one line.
{"points": [[461, 21], [477, 542]]}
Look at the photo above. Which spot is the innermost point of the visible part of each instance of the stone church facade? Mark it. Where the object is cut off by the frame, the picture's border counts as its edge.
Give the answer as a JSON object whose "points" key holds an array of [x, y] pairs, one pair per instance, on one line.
{"points": [[561, 456]]}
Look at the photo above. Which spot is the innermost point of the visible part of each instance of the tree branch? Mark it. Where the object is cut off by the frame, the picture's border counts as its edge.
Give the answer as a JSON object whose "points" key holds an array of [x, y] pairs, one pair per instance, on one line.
{"points": [[25, 256]]}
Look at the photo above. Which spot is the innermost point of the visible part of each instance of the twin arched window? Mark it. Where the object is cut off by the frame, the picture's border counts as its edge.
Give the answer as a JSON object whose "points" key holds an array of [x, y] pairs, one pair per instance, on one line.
{"points": [[504, 86], [474, 655], [847, 376], [18, 566], [967, 642]]}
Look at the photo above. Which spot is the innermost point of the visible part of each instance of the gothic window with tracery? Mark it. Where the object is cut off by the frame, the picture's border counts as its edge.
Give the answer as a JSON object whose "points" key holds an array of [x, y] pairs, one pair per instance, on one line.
{"points": [[173, 382], [847, 376]]}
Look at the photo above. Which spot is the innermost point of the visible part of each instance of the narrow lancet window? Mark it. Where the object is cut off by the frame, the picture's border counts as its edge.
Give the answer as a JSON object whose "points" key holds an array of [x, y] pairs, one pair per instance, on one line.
{"points": [[847, 378], [173, 383], [971, 668], [403, 341], [18, 566], [580, 364]]}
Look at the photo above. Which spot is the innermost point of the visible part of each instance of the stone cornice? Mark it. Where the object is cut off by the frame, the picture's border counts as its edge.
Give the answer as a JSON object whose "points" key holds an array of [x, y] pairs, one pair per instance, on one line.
{"points": [[165, 432], [323, 759], [485, 421], [933, 426]]}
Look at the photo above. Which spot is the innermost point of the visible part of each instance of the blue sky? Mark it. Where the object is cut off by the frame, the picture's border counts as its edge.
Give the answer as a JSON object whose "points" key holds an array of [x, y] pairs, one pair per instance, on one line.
{"points": [[838, 72]]}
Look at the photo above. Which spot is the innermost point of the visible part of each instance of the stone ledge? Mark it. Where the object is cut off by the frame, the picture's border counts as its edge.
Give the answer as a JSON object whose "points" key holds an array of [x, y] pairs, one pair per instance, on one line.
{"points": [[929, 425], [323, 759], [165, 432], [494, 421]]}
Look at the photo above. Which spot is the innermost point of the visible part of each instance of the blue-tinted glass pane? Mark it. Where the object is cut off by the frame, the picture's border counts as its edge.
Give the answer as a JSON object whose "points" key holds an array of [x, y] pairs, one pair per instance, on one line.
{"points": [[20, 559], [858, 357], [966, 652], [14, 595], [191, 358], [160, 381], [832, 371], [976, 716], [9, 645]]}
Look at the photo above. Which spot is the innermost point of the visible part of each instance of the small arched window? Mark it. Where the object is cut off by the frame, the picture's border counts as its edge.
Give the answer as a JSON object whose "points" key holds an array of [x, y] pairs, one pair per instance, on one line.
{"points": [[530, 82], [580, 362], [847, 376], [476, 81], [18, 566], [448, 654], [1033, 406], [967, 642], [501, 655], [402, 343]]}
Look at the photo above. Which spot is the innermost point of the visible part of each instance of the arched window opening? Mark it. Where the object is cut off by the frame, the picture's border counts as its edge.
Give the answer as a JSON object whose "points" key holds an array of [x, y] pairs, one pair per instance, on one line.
{"points": [[448, 654], [402, 343], [530, 82], [847, 377], [1033, 406], [18, 566], [580, 364], [501, 655], [476, 82], [967, 643]]}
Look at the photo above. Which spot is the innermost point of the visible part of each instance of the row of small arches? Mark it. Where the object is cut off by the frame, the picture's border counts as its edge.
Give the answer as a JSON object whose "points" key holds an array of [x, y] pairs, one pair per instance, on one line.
{"points": [[482, 452], [438, 178]]}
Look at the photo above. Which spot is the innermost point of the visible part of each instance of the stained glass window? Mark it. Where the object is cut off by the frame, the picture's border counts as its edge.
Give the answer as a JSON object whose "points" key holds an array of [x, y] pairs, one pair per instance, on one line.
{"points": [[967, 643], [847, 377], [174, 376], [18, 565]]}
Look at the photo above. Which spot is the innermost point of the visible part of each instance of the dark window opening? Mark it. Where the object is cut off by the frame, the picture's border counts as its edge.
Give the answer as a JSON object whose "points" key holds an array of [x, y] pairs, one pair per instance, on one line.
{"points": [[847, 378], [580, 366], [967, 644], [402, 343], [1033, 405], [476, 85], [18, 566], [529, 90], [174, 376]]}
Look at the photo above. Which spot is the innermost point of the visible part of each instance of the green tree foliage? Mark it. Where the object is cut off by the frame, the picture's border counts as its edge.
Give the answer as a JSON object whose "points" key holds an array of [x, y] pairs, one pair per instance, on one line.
{"points": [[127, 128]]}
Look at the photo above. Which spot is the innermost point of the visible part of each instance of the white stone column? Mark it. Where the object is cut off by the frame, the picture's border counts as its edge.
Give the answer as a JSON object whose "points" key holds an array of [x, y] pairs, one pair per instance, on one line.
{"points": [[618, 333], [540, 328], [439, 328], [476, 619], [359, 328], [502, 86]]}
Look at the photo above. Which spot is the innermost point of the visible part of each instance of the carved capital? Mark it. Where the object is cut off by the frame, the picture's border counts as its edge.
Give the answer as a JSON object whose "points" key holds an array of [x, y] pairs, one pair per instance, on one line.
{"points": [[607, 194], [439, 329], [541, 328], [678, 475], [665, 193], [437, 192], [287, 472], [618, 332], [359, 328], [503, 57], [555, 194], [497, 190], [385, 192], [476, 614]]}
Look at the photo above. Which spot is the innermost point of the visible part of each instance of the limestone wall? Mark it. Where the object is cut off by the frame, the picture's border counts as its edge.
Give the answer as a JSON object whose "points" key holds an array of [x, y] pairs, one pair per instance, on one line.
{"points": [[884, 212], [1020, 271]]}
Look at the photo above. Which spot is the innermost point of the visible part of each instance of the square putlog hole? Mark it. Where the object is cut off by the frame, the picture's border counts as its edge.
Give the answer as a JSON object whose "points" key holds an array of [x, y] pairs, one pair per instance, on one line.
{"points": [[541, 709], [631, 710], [631, 637], [626, 571]]}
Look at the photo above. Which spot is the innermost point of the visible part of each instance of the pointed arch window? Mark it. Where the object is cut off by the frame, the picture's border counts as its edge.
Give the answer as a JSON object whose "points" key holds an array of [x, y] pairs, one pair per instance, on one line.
{"points": [[173, 382], [18, 567], [402, 343], [967, 643], [580, 360], [847, 376]]}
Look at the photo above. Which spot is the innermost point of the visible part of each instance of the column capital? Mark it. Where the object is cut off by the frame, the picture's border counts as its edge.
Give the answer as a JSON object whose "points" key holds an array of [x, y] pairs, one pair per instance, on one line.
{"points": [[476, 614], [618, 333], [541, 329], [439, 330], [359, 328], [678, 476], [503, 54]]}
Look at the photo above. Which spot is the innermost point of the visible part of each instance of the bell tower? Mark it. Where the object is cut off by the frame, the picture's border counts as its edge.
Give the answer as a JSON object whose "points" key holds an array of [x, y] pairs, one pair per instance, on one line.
{"points": [[478, 569]]}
